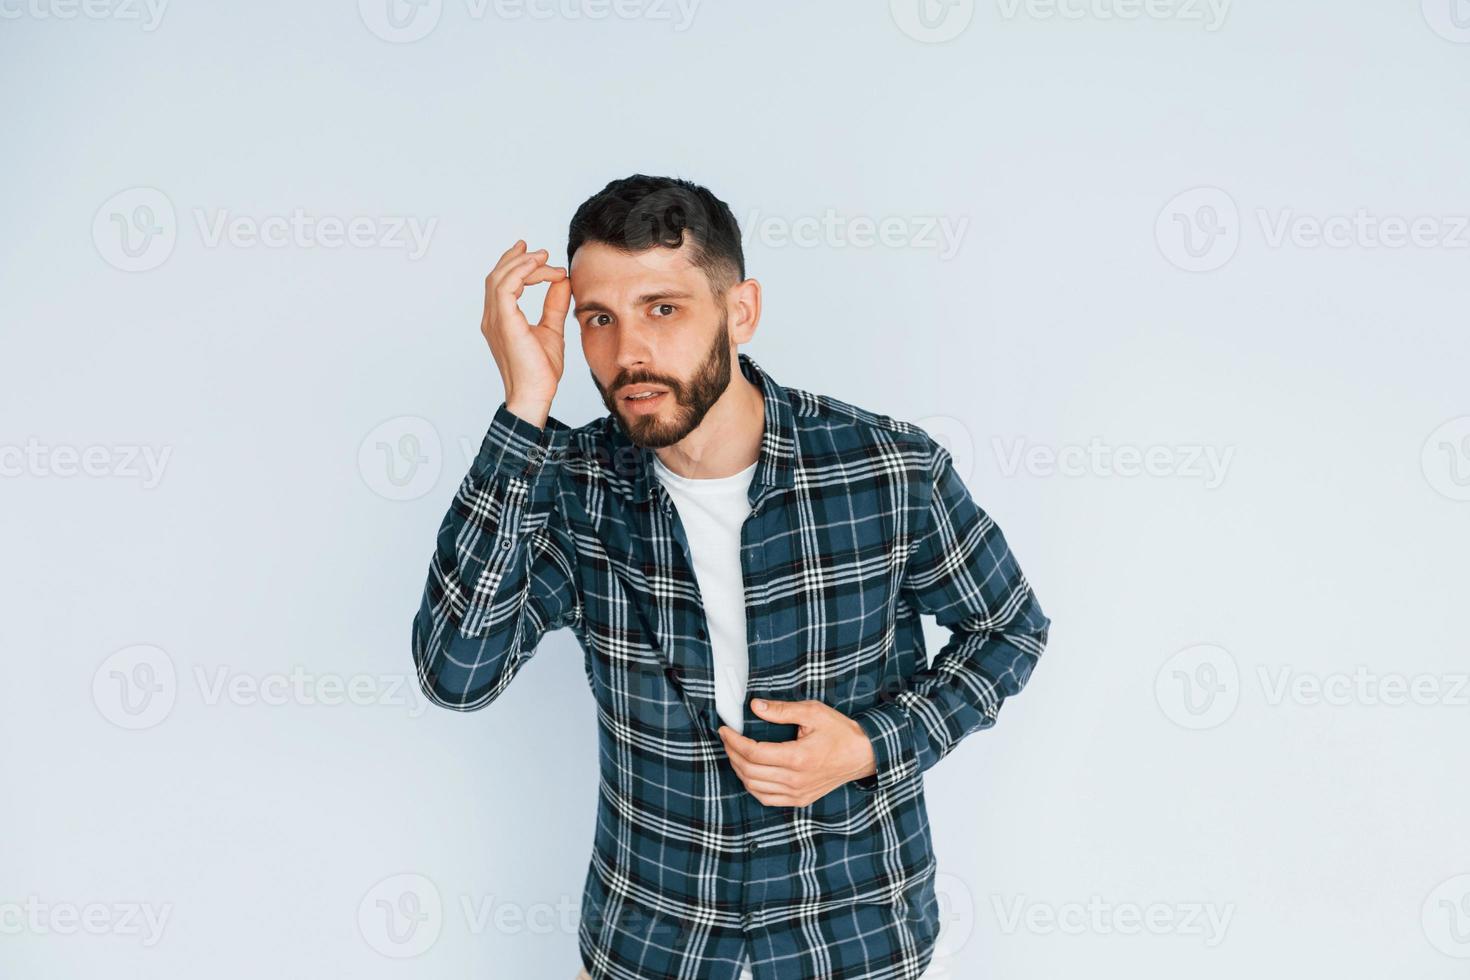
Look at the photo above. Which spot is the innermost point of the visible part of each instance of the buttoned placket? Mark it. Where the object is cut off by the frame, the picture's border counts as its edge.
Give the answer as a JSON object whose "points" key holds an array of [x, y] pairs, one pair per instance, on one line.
{"points": [[753, 571]]}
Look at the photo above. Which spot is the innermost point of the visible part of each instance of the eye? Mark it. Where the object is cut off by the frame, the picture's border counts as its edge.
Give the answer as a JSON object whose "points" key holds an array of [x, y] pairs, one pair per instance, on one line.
{"points": [[665, 306], [594, 319]]}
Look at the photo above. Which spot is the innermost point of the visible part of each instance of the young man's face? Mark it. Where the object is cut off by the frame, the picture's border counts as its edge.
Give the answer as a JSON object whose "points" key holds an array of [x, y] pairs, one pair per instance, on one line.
{"points": [[649, 319]]}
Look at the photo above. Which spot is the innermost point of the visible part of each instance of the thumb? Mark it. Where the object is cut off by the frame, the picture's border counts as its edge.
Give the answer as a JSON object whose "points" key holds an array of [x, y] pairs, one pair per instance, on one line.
{"points": [[787, 711], [558, 301]]}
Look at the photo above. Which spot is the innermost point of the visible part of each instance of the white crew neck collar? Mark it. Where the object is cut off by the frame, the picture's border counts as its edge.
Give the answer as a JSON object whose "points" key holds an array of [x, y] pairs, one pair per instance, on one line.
{"points": [[710, 484]]}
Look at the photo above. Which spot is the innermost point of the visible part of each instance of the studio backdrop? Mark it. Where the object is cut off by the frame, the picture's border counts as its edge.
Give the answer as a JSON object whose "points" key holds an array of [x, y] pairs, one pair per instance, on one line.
{"points": [[1180, 284]]}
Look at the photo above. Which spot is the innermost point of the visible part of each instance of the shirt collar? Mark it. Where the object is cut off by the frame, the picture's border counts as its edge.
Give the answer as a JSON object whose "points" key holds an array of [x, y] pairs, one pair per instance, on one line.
{"points": [[776, 465]]}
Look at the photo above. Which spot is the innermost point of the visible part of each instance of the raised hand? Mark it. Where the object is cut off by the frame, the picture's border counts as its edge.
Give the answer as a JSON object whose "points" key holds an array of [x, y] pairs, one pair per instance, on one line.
{"points": [[530, 358]]}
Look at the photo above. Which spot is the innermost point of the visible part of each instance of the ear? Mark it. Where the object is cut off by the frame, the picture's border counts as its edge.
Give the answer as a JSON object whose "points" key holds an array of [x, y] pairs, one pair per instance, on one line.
{"points": [[743, 305]]}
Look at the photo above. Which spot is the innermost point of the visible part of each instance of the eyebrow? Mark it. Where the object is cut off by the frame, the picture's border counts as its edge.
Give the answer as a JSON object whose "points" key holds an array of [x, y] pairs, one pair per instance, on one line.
{"points": [[592, 306]]}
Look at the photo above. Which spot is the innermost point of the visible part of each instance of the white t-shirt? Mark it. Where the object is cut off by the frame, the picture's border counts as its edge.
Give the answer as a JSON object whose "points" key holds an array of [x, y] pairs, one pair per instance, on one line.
{"points": [[712, 512]]}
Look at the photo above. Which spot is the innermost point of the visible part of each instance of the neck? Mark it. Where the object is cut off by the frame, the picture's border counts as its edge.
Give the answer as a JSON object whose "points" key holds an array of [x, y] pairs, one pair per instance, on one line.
{"points": [[727, 439]]}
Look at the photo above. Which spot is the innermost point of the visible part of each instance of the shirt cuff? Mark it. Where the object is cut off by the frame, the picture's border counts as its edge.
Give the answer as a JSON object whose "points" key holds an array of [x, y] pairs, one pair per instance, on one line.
{"points": [[513, 447], [887, 726]]}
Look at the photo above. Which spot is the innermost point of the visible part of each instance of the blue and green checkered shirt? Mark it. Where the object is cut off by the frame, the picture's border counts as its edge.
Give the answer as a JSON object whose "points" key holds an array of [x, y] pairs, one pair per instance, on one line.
{"points": [[858, 525]]}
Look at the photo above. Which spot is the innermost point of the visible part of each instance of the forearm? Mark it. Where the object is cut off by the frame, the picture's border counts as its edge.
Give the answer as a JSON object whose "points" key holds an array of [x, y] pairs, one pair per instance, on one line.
{"points": [[962, 572], [962, 692], [479, 615]]}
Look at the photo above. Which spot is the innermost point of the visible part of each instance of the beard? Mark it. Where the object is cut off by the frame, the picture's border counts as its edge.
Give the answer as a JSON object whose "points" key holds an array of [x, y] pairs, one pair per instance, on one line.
{"points": [[690, 399]]}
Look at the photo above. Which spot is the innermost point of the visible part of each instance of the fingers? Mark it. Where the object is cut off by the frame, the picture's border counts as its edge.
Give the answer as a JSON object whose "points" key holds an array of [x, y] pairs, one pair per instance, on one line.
{"points": [[772, 785], [518, 269], [516, 249], [543, 273], [506, 278], [508, 257], [755, 771], [778, 754], [515, 260], [764, 781], [773, 795]]}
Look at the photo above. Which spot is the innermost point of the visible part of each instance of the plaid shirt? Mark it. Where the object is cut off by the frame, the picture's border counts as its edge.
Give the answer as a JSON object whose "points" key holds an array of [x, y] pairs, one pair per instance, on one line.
{"points": [[858, 524]]}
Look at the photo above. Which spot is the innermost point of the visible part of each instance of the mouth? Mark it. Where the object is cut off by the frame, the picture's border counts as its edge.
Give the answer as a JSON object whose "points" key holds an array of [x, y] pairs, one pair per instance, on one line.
{"points": [[644, 399]]}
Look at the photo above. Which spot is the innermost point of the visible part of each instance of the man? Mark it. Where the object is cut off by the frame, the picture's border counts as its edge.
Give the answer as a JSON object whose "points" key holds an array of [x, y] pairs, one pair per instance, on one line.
{"points": [[744, 566]]}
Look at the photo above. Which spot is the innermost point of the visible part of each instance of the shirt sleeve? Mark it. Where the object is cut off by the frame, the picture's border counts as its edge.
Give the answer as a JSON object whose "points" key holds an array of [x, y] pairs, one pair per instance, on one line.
{"points": [[503, 572], [961, 572]]}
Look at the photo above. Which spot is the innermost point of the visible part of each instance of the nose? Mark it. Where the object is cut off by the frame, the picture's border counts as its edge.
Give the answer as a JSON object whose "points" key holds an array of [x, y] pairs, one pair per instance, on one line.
{"points": [[635, 347]]}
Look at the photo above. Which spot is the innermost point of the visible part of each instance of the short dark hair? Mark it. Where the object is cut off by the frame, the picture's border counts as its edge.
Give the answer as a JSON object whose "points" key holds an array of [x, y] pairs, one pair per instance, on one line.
{"points": [[636, 213]]}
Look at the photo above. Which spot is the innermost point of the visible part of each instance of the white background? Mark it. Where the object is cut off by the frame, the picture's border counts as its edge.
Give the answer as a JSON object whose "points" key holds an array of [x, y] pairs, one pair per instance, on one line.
{"points": [[1253, 705]]}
